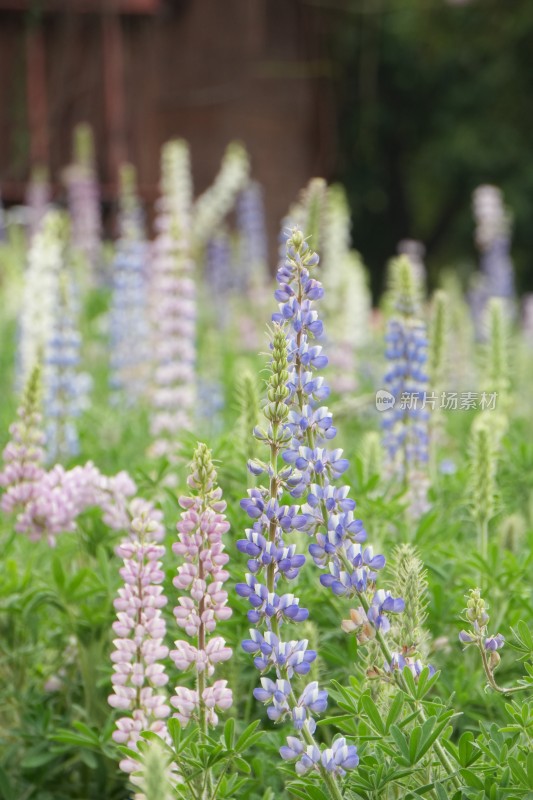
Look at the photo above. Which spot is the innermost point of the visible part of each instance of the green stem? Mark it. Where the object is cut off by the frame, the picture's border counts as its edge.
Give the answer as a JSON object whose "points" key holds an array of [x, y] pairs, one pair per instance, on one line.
{"points": [[490, 676], [439, 750]]}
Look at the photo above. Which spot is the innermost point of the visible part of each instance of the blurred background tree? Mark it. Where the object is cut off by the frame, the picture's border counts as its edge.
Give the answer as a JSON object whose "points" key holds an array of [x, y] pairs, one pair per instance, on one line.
{"points": [[433, 98]]}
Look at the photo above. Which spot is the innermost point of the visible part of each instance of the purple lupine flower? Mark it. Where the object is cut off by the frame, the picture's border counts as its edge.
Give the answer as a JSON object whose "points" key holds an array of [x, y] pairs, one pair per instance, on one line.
{"points": [[493, 643], [202, 575], [139, 647], [349, 569]]}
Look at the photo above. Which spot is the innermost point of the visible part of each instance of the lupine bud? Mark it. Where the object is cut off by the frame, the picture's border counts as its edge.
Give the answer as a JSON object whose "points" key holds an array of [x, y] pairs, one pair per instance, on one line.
{"points": [[482, 487], [496, 357], [410, 582], [154, 777]]}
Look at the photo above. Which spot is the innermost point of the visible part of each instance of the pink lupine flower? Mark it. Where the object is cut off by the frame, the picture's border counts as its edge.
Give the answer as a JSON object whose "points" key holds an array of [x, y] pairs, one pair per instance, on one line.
{"points": [[202, 575], [140, 629]]}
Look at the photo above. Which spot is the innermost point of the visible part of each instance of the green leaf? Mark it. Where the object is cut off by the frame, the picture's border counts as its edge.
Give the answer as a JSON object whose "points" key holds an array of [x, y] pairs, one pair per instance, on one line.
{"points": [[466, 749], [175, 729], [229, 733], [315, 793], [373, 713], [58, 573], [416, 735], [409, 681], [425, 683], [242, 765], [248, 737], [34, 760], [87, 732], [6, 789], [394, 710], [401, 742], [471, 779]]}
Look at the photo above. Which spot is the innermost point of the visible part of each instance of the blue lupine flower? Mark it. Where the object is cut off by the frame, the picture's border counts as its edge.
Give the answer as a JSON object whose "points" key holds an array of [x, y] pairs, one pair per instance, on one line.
{"points": [[349, 569], [253, 250], [272, 561], [66, 389], [399, 662], [128, 325], [405, 422], [493, 643]]}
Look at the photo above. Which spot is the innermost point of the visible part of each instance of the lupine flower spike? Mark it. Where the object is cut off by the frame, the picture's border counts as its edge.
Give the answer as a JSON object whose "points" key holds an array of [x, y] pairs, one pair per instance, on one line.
{"points": [[253, 250], [203, 604], [438, 357], [84, 198], [410, 581], [67, 388], [352, 569], [405, 422], [272, 562], [173, 309], [129, 333], [493, 238], [349, 568], [24, 454], [347, 298], [482, 487], [139, 647], [40, 292]]}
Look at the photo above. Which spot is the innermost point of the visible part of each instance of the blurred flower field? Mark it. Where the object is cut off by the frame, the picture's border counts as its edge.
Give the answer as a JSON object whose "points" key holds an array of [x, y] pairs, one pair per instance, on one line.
{"points": [[259, 538]]}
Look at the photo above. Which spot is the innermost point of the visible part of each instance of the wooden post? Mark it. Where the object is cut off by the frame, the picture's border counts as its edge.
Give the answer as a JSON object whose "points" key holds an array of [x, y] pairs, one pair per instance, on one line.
{"points": [[36, 94], [113, 54]]}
